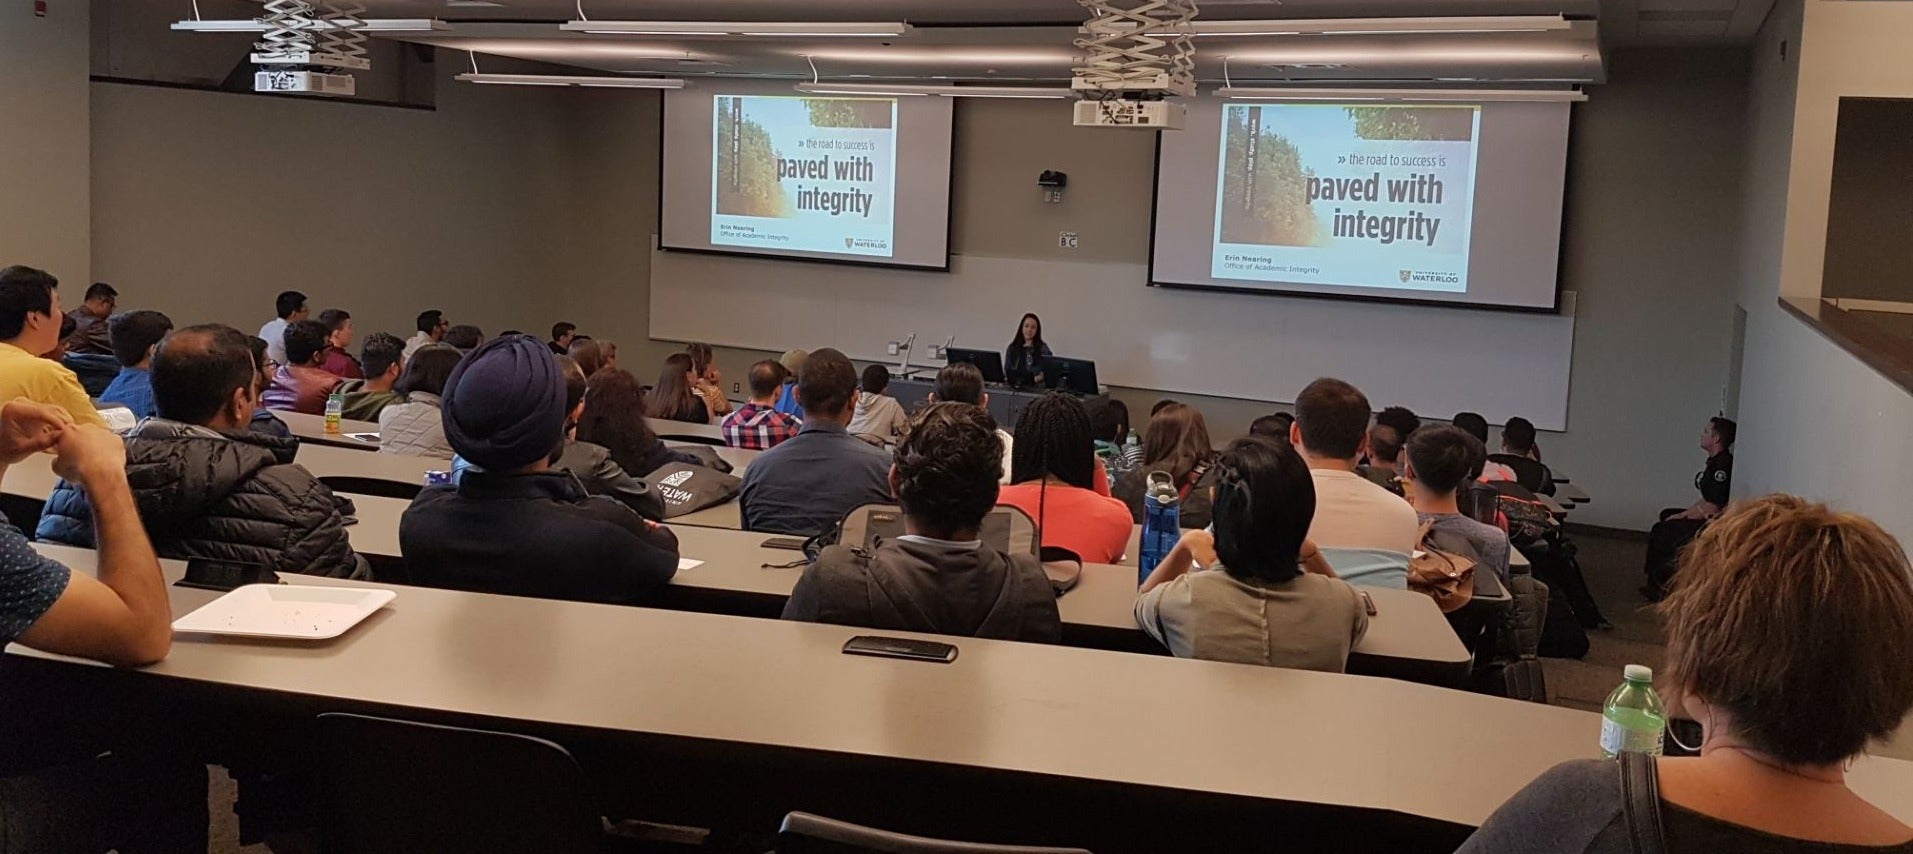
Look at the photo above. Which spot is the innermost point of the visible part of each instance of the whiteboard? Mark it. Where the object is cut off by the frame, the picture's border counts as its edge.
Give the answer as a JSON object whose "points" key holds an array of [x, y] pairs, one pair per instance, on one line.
{"points": [[1434, 360]]}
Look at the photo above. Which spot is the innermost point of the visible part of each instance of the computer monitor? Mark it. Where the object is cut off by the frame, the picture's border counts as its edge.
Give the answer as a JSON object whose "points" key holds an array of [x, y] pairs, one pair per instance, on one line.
{"points": [[1077, 376], [989, 362]]}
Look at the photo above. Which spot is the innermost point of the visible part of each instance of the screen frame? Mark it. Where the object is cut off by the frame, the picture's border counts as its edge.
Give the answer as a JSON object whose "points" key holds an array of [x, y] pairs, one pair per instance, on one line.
{"points": [[1560, 252], [949, 213]]}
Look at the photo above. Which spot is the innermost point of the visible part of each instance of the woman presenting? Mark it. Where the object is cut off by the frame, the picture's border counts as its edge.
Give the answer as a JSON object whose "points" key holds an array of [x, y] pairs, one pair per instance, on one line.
{"points": [[1023, 360]]}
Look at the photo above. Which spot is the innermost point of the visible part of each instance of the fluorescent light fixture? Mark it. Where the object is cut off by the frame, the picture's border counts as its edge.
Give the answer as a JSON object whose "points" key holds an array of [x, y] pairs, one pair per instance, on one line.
{"points": [[372, 25], [1384, 26], [908, 89], [1296, 93], [570, 80], [812, 29]]}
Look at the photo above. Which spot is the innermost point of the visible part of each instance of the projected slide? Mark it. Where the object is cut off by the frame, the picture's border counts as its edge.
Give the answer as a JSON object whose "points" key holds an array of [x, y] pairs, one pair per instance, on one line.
{"points": [[1352, 195], [804, 174]]}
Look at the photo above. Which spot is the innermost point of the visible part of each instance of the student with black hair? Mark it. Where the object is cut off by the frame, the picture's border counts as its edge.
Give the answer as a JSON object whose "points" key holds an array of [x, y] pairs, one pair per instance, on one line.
{"points": [[288, 308], [878, 414], [136, 334], [758, 425], [301, 385], [1053, 472], [263, 419], [962, 382], [1384, 458], [30, 320], [938, 577], [1440, 461], [1271, 598], [382, 356], [432, 326], [1331, 432], [206, 485], [465, 338], [1275, 426], [92, 335], [1117, 446], [809, 482], [1475, 425], [561, 334], [1403, 419], [338, 336], [1679, 527]]}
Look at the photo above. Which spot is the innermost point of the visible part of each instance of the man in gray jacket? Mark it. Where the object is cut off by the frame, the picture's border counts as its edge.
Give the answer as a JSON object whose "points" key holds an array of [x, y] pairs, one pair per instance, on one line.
{"points": [[206, 485], [938, 577]]}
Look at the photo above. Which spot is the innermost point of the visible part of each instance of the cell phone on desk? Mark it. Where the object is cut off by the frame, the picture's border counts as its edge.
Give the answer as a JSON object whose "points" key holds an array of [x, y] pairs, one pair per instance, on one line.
{"points": [[914, 650], [795, 544], [224, 575]]}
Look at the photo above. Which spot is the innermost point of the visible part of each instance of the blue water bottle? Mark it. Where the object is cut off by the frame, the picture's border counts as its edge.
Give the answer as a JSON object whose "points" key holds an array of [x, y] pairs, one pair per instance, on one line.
{"points": [[1161, 522]]}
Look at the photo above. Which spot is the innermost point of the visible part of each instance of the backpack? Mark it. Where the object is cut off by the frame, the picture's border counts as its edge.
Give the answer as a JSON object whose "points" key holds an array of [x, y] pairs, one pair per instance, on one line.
{"points": [[1006, 529], [1447, 577], [1529, 521]]}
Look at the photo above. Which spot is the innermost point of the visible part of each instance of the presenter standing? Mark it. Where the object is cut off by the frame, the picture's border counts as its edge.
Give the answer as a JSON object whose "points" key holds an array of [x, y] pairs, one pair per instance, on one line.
{"points": [[1023, 360]]}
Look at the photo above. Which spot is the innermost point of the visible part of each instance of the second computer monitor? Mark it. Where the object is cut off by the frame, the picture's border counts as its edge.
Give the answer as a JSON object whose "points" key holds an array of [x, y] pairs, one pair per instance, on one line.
{"points": [[1077, 376], [989, 362]]}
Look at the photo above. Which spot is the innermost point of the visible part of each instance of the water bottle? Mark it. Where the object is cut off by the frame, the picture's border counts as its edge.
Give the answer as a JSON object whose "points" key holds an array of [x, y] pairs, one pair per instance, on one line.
{"points": [[334, 411], [1161, 522], [1633, 719]]}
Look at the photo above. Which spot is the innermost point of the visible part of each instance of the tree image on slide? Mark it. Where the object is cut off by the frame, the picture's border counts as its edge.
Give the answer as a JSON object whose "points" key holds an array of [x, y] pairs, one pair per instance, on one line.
{"points": [[850, 112], [1264, 202], [1428, 124], [747, 183]]}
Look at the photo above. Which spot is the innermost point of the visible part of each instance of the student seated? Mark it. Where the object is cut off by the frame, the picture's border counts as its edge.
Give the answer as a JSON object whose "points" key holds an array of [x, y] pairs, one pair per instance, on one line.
{"points": [[301, 385], [30, 321], [1116, 445], [1440, 461], [416, 427], [806, 485], [1275, 426], [1679, 527], [263, 421], [431, 330], [288, 308], [614, 418], [1475, 425], [1522, 455], [1054, 473], [588, 354], [73, 796], [561, 335], [382, 355], [1351, 512], [206, 484], [92, 335], [674, 397], [592, 463], [878, 414], [963, 383], [1384, 466], [757, 425], [709, 382], [517, 527], [464, 338], [1775, 647], [1177, 442], [938, 577], [338, 336], [135, 335], [793, 362], [1257, 604]]}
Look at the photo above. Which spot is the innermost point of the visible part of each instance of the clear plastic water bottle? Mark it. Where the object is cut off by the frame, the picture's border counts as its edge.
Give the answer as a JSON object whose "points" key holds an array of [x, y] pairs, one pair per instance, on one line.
{"points": [[334, 412], [1633, 719], [1161, 522]]}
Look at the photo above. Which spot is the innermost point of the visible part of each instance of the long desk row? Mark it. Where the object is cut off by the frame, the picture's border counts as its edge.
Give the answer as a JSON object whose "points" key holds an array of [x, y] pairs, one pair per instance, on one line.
{"points": [[701, 719]]}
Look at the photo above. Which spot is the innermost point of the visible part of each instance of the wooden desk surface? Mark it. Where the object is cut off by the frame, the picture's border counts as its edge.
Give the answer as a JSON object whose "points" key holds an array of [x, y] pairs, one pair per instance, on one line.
{"points": [[1030, 708]]}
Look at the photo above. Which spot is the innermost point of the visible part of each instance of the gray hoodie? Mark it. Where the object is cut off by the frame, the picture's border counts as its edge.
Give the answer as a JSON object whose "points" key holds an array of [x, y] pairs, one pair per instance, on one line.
{"points": [[939, 588]]}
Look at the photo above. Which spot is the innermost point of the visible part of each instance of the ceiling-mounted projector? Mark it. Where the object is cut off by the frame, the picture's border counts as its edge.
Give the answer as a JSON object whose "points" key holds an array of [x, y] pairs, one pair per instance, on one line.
{"points": [[1136, 53]]}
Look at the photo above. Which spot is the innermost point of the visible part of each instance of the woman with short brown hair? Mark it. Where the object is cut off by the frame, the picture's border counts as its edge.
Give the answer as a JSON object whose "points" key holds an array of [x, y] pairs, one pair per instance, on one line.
{"points": [[1787, 631]]}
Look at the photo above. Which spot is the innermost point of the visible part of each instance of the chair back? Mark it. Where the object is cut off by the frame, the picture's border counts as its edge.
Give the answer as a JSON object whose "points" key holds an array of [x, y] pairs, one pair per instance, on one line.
{"points": [[803, 833], [399, 786]]}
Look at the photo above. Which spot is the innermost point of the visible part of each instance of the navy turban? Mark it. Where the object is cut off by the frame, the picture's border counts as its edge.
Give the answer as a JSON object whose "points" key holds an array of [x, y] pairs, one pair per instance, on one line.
{"points": [[504, 405]]}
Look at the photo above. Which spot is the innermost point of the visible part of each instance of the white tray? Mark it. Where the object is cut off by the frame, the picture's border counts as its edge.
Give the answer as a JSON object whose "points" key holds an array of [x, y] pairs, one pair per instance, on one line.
{"points": [[285, 611]]}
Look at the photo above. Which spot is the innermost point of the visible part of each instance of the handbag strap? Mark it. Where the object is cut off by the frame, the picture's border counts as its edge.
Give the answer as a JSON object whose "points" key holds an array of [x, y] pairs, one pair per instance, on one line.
{"points": [[1641, 797]]}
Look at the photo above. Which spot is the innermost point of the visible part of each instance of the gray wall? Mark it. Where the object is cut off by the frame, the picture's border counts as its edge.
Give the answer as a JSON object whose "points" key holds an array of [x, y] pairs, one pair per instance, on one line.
{"points": [[43, 176]]}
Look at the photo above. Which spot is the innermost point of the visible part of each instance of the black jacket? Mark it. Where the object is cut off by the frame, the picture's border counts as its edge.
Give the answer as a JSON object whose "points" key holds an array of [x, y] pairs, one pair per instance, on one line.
{"points": [[923, 587], [601, 475], [536, 535], [236, 497]]}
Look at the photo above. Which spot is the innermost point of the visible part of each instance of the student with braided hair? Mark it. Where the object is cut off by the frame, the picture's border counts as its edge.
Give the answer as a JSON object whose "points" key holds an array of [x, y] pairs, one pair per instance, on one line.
{"points": [[1053, 469], [1270, 598], [939, 576]]}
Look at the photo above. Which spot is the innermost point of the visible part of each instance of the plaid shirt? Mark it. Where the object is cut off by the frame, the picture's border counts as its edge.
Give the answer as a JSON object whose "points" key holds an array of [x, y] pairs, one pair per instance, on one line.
{"points": [[758, 428]]}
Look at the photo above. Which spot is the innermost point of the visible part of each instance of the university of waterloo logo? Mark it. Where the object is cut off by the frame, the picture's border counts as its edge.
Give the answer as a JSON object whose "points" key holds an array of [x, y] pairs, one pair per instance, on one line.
{"points": [[1406, 275], [850, 243]]}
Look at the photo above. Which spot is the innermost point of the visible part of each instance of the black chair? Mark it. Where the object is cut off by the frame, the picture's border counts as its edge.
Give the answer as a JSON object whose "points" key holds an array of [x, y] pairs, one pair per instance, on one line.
{"points": [[803, 833], [376, 486], [1527, 472], [397, 786]]}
